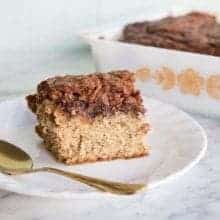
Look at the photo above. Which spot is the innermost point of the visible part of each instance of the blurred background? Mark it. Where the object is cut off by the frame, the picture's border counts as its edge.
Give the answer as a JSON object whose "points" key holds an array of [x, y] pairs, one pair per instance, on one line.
{"points": [[38, 38]]}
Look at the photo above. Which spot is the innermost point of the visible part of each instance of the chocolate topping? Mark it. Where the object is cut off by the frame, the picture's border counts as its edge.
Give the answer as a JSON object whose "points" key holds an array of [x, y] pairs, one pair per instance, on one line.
{"points": [[90, 95], [193, 32]]}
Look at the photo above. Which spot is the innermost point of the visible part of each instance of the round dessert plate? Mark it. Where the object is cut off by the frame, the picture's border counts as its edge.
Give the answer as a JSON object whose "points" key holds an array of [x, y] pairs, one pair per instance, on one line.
{"points": [[177, 143]]}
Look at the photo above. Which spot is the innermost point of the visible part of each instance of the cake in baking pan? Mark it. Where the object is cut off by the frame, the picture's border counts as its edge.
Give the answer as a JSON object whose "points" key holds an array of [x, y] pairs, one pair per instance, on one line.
{"points": [[194, 32]]}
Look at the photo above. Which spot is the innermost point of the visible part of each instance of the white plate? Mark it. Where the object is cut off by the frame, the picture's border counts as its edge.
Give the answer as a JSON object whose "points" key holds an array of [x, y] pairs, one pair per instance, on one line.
{"points": [[177, 144]]}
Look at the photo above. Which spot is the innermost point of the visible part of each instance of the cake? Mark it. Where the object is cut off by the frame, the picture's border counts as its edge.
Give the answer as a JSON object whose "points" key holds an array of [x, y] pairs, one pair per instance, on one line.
{"points": [[194, 32], [91, 117]]}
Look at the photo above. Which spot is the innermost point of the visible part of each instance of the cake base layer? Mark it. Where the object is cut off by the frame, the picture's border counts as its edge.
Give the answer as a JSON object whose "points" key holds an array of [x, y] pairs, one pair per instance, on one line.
{"points": [[76, 140]]}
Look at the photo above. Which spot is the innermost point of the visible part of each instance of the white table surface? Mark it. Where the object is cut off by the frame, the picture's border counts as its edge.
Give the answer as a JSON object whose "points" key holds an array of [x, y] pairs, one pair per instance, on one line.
{"points": [[196, 195]]}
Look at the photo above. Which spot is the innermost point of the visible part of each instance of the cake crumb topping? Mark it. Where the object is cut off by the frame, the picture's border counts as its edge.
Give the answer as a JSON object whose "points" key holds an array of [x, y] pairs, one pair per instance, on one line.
{"points": [[90, 95]]}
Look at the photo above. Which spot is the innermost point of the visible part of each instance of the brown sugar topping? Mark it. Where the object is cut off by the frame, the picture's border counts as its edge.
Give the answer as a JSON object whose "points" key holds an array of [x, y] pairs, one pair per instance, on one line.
{"points": [[90, 95]]}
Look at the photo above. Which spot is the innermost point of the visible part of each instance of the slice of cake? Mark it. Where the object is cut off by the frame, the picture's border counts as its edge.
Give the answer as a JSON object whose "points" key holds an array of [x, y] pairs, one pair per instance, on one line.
{"points": [[91, 117]]}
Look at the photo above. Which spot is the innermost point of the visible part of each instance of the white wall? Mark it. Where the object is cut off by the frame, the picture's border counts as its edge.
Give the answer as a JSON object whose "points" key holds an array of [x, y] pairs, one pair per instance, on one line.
{"points": [[50, 24]]}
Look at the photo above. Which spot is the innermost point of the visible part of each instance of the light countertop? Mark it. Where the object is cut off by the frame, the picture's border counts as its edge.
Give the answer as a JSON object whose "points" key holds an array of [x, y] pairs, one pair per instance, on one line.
{"points": [[196, 195]]}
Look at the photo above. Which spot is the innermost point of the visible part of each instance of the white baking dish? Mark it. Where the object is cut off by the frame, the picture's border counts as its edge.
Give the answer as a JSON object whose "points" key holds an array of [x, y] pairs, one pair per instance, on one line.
{"points": [[110, 54]]}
